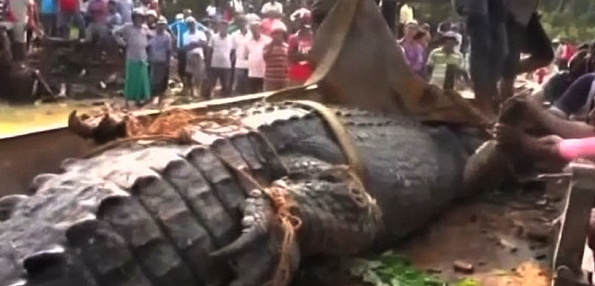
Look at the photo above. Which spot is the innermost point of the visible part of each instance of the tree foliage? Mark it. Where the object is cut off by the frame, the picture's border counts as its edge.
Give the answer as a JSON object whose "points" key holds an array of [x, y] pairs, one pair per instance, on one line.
{"points": [[572, 19]]}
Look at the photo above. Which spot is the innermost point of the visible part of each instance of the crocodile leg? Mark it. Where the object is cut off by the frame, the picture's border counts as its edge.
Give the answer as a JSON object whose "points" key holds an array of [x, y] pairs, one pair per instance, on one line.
{"points": [[334, 212]]}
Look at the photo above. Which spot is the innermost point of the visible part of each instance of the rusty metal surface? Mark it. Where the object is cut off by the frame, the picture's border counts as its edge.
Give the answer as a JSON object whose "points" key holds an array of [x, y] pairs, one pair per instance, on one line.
{"points": [[23, 157]]}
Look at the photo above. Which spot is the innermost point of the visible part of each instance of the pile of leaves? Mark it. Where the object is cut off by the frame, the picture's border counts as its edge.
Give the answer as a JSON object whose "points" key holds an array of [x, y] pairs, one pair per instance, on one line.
{"points": [[390, 269]]}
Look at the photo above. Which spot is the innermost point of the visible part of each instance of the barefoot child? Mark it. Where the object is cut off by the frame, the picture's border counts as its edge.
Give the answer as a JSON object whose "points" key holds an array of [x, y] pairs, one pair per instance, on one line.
{"points": [[136, 38]]}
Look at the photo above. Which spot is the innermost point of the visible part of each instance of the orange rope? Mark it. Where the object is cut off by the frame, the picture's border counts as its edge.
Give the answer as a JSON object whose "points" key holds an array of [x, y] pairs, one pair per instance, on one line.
{"points": [[289, 222], [171, 126]]}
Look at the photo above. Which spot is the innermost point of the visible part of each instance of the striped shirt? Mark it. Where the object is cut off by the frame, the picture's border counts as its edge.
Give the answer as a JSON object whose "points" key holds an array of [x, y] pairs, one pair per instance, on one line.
{"points": [[439, 60], [276, 62]]}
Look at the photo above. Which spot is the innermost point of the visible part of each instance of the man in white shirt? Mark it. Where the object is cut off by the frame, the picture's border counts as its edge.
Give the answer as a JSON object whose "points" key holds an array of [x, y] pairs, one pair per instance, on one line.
{"points": [[193, 41], [253, 53], [239, 40], [221, 48], [211, 10], [272, 8], [238, 6]]}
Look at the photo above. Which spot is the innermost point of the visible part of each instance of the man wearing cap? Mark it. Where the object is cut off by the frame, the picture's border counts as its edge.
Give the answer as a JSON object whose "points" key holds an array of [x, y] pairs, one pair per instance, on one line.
{"points": [[160, 47], [239, 39], [276, 58], [191, 66], [251, 16], [253, 54], [221, 46], [178, 28], [441, 58], [151, 17]]}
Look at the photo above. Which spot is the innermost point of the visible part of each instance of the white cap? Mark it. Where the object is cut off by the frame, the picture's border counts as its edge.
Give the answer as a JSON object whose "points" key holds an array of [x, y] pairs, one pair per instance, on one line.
{"points": [[412, 22], [151, 13], [162, 20], [278, 26], [180, 16], [138, 11], [190, 20]]}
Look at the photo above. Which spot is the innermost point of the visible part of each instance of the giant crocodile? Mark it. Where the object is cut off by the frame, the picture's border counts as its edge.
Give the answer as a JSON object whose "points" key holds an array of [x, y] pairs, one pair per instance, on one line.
{"points": [[242, 207]]}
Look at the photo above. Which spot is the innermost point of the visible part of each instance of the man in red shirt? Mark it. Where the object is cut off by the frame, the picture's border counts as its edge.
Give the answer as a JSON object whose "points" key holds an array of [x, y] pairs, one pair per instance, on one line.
{"points": [[69, 11], [300, 44]]}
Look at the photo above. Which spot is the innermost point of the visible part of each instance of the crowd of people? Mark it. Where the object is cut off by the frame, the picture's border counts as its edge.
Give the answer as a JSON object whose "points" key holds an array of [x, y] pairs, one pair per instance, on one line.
{"points": [[430, 62], [241, 47]]}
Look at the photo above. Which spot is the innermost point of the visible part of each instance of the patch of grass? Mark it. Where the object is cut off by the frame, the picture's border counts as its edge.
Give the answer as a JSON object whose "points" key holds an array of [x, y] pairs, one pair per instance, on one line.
{"points": [[391, 269]]}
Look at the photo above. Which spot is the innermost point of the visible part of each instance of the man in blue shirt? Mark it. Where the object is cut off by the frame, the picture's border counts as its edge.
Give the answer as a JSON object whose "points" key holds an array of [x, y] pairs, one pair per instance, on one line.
{"points": [[48, 16], [178, 28]]}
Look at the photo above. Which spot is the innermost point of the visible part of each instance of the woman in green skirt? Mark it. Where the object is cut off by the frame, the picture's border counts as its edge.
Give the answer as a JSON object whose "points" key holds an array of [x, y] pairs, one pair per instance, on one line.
{"points": [[135, 37]]}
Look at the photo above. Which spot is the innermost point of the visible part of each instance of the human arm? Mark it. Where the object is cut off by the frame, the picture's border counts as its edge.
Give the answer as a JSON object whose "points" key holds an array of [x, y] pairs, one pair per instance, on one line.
{"points": [[430, 63], [120, 34]]}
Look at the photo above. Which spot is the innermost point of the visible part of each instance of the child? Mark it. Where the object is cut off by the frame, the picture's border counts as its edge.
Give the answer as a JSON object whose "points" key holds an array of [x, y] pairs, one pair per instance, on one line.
{"points": [[276, 58], [160, 47], [136, 38]]}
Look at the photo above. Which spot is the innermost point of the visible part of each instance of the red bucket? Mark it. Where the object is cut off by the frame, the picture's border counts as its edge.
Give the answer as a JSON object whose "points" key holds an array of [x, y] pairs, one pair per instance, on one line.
{"points": [[300, 71]]}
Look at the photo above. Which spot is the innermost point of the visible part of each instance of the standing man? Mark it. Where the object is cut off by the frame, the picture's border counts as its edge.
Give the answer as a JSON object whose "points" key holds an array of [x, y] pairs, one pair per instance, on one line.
{"points": [[160, 46], [97, 27], [240, 38], [486, 21], [525, 35], [300, 45], [69, 11], [19, 14], [221, 52], [276, 58], [193, 44], [253, 54], [125, 10], [179, 28], [47, 11], [441, 58]]}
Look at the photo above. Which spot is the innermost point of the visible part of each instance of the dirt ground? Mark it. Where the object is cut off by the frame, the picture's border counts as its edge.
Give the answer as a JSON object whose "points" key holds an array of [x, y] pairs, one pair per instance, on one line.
{"points": [[506, 238]]}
